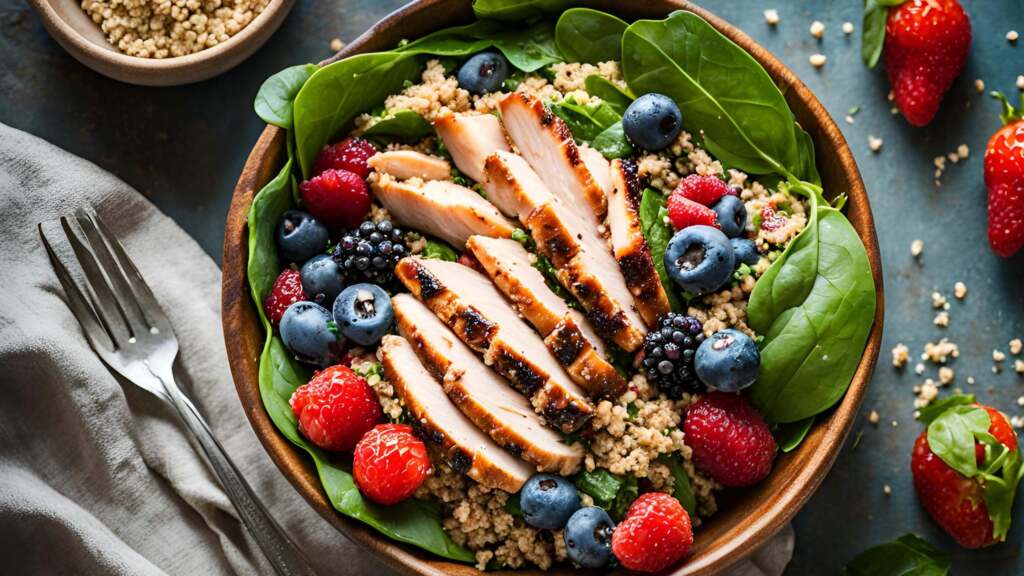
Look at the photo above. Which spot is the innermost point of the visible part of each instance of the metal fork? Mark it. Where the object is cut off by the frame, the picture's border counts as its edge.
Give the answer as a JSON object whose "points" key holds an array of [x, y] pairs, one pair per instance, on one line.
{"points": [[129, 331]]}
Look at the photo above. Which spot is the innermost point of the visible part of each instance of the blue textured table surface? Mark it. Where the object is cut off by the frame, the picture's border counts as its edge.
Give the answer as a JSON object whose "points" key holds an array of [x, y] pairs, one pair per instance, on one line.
{"points": [[185, 146]]}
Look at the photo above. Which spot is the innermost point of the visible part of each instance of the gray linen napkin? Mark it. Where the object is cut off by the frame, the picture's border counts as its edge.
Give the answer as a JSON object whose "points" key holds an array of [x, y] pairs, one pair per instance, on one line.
{"points": [[96, 478]]}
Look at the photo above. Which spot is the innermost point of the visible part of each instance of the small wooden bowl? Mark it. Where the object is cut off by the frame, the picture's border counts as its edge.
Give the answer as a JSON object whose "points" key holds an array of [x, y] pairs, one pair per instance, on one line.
{"points": [[747, 518], [73, 29]]}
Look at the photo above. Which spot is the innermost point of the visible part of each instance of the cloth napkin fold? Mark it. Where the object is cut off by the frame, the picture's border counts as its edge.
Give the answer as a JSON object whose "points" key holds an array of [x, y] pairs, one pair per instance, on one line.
{"points": [[99, 478]]}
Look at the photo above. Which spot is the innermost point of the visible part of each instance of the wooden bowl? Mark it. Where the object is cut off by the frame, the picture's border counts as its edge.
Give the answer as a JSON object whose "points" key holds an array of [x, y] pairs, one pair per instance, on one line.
{"points": [[73, 29], [747, 518]]}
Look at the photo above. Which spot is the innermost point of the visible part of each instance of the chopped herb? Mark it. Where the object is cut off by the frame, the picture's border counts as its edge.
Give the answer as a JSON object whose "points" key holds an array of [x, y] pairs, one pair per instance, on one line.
{"points": [[438, 250], [856, 439], [368, 369], [632, 410], [512, 505], [601, 485], [520, 235], [332, 326], [460, 178], [742, 272], [627, 494], [853, 110]]}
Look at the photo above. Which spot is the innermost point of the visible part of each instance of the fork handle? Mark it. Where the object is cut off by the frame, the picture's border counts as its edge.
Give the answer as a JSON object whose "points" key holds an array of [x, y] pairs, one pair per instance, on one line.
{"points": [[282, 553]]}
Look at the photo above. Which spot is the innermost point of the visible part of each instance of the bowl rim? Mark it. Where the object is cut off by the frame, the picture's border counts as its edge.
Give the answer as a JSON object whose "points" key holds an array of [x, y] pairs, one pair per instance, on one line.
{"points": [[111, 55], [828, 434]]}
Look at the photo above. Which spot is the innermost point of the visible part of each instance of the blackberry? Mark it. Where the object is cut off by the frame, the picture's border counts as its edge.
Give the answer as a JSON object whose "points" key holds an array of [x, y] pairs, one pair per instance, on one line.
{"points": [[669, 353], [370, 252]]}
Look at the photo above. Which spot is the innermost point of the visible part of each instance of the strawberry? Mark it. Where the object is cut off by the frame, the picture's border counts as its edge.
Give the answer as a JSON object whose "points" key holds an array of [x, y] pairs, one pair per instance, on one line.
{"points": [[390, 463], [655, 534], [704, 190], [730, 440], [925, 45], [966, 467], [338, 198], [350, 154], [1004, 178], [286, 291], [335, 408], [683, 212]]}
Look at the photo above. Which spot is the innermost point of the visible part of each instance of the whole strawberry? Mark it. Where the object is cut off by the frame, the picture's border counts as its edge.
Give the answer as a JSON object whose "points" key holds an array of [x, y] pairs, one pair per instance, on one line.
{"points": [[655, 534], [730, 440], [1004, 178], [390, 463], [925, 44], [966, 467], [286, 291], [335, 408]]}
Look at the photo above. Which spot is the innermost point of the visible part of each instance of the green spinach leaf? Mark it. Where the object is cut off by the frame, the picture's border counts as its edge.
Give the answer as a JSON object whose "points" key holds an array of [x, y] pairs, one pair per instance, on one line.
{"points": [[588, 35], [807, 166], [438, 250], [908, 555], [720, 88], [403, 125], [612, 142], [951, 437], [789, 436], [518, 9], [274, 100], [585, 121], [457, 41], [600, 484], [682, 489], [616, 97], [929, 413], [529, 49], [658, 233]]}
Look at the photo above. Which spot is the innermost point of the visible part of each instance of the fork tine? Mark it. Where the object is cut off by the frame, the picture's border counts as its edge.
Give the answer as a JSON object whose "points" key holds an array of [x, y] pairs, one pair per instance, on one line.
{"points": [[83, 312], [147, 301], [126, 296], [104, 301]]}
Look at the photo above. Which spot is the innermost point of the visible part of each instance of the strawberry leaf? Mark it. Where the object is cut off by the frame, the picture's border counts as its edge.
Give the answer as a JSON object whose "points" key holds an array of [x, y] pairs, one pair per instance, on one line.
{"points": [[929, 413], [908, 555], [1009, 114], [951, 437], [872, 37]]}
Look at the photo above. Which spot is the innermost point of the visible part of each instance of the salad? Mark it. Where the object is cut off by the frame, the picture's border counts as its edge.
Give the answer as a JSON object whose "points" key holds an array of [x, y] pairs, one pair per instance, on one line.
{"points": [[537, 288]]}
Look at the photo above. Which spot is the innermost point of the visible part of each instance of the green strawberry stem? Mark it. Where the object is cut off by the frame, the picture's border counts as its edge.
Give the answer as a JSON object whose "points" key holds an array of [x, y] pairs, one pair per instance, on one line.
{"points": [[1010, 115]]}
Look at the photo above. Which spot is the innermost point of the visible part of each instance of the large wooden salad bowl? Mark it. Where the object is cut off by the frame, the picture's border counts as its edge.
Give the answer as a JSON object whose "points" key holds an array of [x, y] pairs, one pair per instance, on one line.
{"points": [[747, 518]]}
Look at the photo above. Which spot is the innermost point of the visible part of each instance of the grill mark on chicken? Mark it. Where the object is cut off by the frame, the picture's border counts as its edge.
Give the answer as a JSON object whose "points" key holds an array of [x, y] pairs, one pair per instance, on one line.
{"points": [[429, 286], [520, 374], [567, 344]]}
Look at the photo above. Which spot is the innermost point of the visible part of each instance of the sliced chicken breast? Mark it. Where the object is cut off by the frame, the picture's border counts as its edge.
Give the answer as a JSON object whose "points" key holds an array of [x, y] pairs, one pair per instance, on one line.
{"points": [[470, 306], [483, 396], [470, 139], [441, 208], [405, 164], [629, 245], [567, 334], [466, 449], [546, 143], [512, 186]]}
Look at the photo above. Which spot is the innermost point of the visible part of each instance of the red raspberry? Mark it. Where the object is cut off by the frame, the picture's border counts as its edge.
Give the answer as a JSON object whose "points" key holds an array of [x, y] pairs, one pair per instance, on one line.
{"points": [[350, 154], [730, 440], [338, 198], [704, 190], [390, 463], [683, 212], [335, 408], [287, 290], [654, 535]]}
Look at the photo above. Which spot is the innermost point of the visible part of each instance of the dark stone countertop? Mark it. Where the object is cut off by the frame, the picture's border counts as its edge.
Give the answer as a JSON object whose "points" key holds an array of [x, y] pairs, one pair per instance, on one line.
{"points": [[183, 147]]}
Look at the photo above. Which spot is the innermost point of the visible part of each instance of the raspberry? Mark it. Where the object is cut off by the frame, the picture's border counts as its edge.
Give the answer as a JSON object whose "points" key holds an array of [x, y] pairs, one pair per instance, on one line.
{"points": [[704, 190], [350, 154], [683, 212], [730, 440], [390, 463], [654, 535], [287, 290], [338, 198], [335, 408]]}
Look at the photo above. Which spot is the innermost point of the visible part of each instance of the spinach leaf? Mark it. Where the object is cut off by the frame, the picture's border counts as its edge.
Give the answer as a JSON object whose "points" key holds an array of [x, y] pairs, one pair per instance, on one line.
{"points": [[612, 142], [438, 250], [1000, 489], [588, 35], [929, 413], [872, 35], [789, 436], [403, 125], [518, 9], [529, 49], [682, 489], [951, 437], [815, 307], [908, 555], [807, 166], [585, 121], [618, 98], [658, 233], [627, 494], [456, 41], [720, 88], [274, 100], [412, 521], [600, 484]]}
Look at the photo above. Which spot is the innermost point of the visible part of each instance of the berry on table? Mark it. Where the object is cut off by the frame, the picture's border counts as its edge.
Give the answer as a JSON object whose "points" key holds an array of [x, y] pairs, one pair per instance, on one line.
{"points": [[338, 198], [350, 154], [655, 534], [335, 408], [389, 463], [363, 313], [300, 236], [683, 213], [588, 537], [484, 72], [322, 279], [732, 215], [652, 121], [669, 352], [728, 361], [700, 259], [371, 251], [1004, 178], [547, 501], [704, 190], [731, 442], [308, 332], [286, 291], [745, 251]]}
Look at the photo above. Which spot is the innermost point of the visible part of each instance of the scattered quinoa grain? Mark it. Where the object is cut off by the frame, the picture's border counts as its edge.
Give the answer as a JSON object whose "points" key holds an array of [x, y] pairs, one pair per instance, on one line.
{"points": [[946, 376], [916, 248], [900, 355], [979, 85], [1016, 346], [895, 423], [938, 300], [337, 44], [817, 29], [960, 290], [887, 490], [1020, 82], [1018, 366], [940, 352], [998, 355], [818, 60], [971, 380], [919, 369], [848, 119], [1017, 421], [847, 28], [941, 320], [1012, 36], [874, 417], [875, 143], [771, 16]]}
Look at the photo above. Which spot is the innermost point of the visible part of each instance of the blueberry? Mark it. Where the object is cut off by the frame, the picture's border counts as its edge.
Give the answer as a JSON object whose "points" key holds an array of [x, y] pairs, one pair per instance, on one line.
{"points": [[728, 361], [483, 73], [307, 333], [322, 279], [547, 501], [300, 236], [588, 537], [732, 215], [652, 121], [363, 313], [699, 259], [745, 251]]}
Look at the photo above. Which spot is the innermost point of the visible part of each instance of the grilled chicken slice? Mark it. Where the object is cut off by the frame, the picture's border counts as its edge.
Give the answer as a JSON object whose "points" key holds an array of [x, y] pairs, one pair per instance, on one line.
{"points": [[405, 164], [483, 396], [441, 208], [546, 143], [567, 334], [629, 245], [470, 139], [512, 186], [470, 306], [466, 449]]}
